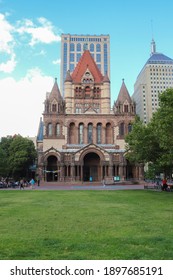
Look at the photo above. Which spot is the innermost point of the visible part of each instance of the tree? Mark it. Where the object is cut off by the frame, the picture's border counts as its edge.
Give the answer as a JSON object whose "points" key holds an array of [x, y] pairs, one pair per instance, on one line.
{"points": [[142, 144], [163, 124], [22, 156], [4, 156], [19, 154], [153, 143]]}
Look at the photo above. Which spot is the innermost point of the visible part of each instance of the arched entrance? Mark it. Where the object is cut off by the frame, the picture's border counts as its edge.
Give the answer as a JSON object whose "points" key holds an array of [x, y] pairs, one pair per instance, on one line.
{"points": [[91, 167], [51, 170], [129, 171]]}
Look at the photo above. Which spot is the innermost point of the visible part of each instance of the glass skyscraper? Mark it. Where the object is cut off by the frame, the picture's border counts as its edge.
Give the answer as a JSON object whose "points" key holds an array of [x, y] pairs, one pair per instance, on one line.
{"points": [[72, 47]]}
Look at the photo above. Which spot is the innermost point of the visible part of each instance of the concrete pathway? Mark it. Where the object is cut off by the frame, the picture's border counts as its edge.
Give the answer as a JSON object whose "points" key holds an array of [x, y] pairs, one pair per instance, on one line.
{"points": [[79, 186]]}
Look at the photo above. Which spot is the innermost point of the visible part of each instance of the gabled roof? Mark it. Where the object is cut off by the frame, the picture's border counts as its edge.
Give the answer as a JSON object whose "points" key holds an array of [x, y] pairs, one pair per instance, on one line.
{"points": [[123, 94], [86, 61], [55, 92]]}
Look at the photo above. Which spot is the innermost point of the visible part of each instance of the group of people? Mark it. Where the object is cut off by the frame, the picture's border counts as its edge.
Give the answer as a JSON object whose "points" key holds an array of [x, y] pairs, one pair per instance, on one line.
{"points": [[23, 183]]}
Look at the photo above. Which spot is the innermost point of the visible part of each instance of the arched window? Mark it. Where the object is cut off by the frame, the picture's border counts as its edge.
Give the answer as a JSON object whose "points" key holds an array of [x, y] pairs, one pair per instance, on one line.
{"points": [[90, 133], [109, 137], [72, 47], [129, 127], [98, 48], [58, 129], [78, 47], [72, 133], [54, 107], [121, 129], [49, 129], [92, 48], [99, 130], [126, 108], [80, 131]]}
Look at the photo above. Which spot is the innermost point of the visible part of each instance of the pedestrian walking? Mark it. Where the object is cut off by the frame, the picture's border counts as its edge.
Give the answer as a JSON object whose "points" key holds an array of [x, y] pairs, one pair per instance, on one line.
{"points": [[38, 181], [21, 184], [32, 183]]}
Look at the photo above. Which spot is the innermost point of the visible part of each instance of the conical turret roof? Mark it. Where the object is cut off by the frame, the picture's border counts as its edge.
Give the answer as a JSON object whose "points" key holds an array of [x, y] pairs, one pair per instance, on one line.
{"points": [[68, 77], [123, 94], [106, 78], [55, 92]]}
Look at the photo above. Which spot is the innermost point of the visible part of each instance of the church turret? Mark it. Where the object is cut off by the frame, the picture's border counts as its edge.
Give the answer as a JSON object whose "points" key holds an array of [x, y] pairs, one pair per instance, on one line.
{"points": [[54, 102], [106, 95], [124, 103]]}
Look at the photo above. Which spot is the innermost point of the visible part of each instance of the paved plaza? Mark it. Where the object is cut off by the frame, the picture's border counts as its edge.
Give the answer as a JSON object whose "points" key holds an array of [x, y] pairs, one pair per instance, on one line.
{"points": [[80, 186]]}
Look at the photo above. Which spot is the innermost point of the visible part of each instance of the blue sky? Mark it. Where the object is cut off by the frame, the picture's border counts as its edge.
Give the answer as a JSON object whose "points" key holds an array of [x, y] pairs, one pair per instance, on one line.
{"points": [[30, 48]]}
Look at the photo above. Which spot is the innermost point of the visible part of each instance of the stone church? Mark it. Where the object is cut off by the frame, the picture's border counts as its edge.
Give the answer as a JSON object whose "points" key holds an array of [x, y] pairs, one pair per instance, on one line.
{"points": [[80, 137]]}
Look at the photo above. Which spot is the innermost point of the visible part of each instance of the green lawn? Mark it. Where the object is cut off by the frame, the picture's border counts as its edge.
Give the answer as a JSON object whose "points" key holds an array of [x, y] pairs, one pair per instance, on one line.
{"points": [[87, 225]]}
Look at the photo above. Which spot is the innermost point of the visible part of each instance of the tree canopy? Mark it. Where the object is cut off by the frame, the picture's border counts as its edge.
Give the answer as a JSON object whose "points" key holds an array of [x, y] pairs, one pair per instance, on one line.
{"points": [[153, 143], [17, 154]]}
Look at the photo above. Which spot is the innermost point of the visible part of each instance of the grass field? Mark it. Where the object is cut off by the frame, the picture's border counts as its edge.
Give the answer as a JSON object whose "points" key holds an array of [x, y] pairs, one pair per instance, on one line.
{"points": [[91, 225]]}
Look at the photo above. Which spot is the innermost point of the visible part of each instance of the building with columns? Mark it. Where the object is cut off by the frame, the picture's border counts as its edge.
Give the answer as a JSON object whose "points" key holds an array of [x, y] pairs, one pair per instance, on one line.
{"points": [[80, 137]]}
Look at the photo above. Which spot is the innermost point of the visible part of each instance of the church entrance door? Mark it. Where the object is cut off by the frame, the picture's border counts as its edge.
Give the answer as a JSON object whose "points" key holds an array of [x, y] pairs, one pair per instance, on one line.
{"points": [[51, 170], [91, 168]]}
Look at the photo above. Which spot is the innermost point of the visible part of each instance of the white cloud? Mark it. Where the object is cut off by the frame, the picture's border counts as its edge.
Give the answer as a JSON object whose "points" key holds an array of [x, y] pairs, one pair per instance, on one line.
{"points": [[6, 38], [9, 65], [22, 103], [7, 44], [58, 61], [42, 33]]}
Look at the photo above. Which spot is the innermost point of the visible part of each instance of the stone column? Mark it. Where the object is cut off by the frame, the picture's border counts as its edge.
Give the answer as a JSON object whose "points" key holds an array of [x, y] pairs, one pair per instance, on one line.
{"points": [[121, 171], [85, 136], [103, 135], [72, 172], [94, 135], [81, 173], [110, 171]]}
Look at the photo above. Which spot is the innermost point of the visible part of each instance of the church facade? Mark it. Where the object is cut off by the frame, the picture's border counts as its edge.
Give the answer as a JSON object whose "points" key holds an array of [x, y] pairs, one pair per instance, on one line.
{"points": [[80, 137]]}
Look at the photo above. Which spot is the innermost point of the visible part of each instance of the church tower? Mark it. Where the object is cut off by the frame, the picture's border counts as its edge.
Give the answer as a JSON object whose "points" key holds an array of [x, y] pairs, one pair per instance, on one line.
{"points": [[87, 90], [83, 138]]}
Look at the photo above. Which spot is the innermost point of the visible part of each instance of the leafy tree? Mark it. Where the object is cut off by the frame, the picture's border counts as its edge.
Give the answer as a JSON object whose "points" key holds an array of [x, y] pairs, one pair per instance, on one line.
{"points": [[18, 154], [142, 143], [4, 156], [163, 123], [153, 143], [22, 156]]}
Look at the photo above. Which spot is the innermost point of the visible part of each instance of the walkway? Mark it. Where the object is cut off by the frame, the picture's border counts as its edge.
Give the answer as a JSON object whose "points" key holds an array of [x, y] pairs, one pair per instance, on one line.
{"points": [[79, 186]]}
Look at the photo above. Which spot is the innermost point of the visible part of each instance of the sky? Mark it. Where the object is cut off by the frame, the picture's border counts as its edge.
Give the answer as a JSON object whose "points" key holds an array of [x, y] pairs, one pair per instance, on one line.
{"points": [[30, 45]]}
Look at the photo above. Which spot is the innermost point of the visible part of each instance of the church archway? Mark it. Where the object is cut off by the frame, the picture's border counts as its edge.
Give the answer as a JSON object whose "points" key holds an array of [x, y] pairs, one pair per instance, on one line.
{"points": [[91, 167], [51, 169]]}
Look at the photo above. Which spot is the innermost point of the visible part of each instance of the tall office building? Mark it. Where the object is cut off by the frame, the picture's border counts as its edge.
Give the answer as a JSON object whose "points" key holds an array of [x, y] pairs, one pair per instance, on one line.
{"points": [[72, 48], [155, 77]]}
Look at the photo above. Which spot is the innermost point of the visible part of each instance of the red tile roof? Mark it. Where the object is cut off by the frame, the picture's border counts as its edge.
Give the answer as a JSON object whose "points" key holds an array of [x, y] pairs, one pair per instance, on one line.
{"points": [[86, 62]]}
